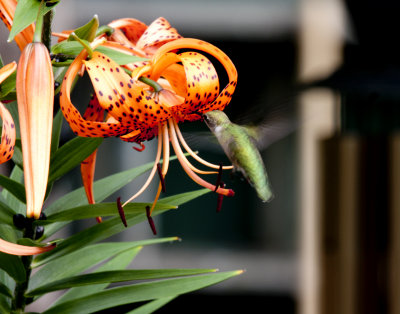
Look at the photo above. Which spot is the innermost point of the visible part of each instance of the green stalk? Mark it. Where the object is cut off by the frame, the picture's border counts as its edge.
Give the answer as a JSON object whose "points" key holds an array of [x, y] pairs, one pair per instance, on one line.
{"points": [[37, 36], [156, 87], [46, 32]]}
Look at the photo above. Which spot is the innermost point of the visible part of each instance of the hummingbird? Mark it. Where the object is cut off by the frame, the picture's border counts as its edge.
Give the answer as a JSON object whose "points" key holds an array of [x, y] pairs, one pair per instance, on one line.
{"points": [[239, 145]]}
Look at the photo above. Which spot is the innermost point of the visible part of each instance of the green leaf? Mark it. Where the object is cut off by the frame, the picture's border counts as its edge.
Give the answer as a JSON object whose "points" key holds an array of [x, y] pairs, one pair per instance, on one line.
{"points": [[25, 14], [118, 56], [120, 261], [4, 290], [101, 209], [15, 188], [4, 305], [115, 276], [13, 266], [8, 86], [56, 131], [71, 154], [87, 256], [19, 207], [87, 31], [179, 199], [139, 292], [6, 214], [93, 234], [152, 306], [73, 48]]}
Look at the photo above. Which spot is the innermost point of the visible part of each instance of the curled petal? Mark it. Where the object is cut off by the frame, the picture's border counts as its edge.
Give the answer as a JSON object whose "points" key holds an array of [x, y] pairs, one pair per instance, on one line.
{"points": [[78, 124], [131, 28], [23, 250], [122, 97], [7, 70], [158, 33], [7, 10]]}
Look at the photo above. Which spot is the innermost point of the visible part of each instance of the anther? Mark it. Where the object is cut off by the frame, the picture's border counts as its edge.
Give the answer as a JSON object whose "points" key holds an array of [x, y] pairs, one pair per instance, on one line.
{"points": [[150, 220], [141, 148], [121, 212], [39, 232], [220, 198], [217, 184], [161, 177]]}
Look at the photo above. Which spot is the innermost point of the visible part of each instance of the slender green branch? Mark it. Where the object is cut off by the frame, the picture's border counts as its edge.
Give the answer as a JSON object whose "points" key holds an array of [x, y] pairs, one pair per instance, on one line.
{"points": [[156, 87], [46, 33], [37, 36]]}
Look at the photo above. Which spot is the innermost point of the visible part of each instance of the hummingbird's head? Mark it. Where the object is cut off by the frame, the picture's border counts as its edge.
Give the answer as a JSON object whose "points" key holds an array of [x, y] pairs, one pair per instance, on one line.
{"points": [[215, 118]]}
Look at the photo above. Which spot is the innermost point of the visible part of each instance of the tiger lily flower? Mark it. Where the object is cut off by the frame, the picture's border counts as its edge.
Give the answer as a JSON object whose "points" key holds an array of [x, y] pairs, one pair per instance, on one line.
{"points": [[35, 96], [8, 132], [188, 86], [7, 10]]}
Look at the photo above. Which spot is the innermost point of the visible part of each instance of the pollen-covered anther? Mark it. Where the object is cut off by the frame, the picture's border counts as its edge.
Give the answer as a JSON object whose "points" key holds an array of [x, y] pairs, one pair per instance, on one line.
{"points": [[150, 220], [121, 212]]}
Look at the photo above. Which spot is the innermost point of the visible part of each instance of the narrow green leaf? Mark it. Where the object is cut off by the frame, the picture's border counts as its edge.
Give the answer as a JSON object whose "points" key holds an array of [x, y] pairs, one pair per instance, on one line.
{"points": [[25, 14], [87, 31], [6, 214], [4, 305], [114, 276], [73, 48], [4, 290], [19, 207], [8, 233], [179, 199], [56, 131], [100, 209], [71, 154], [118, 56], [15, 188], [152, 306], [120, 261], [13, 266], [139, 292]]}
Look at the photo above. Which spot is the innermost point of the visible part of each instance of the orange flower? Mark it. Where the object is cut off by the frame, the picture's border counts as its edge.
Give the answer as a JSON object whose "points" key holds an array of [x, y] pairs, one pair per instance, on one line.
{"points": [[188, 86], [35, 95], [8, 131], [7, 10]]}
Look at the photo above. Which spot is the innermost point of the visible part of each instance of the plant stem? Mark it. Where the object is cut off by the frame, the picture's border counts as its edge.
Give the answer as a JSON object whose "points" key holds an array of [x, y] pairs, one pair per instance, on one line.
{"points": [[46, 33], [19, 301], [37, 36]]}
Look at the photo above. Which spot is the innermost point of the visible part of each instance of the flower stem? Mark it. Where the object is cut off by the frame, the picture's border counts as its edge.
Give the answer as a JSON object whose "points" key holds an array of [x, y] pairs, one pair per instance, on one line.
{"points": [[46, 33], [37, 36], [156, 87]]}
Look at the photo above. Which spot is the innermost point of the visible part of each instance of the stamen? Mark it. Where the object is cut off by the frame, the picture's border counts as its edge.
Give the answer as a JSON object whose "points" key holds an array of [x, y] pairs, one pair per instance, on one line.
{"points": [[217, 184], [185, 165], [193, 154], [156, 198], [165, 149], [220, 198], [162, 182], [150, 220], [141, 148], [121, 212], [153, 170], [99, 220]]}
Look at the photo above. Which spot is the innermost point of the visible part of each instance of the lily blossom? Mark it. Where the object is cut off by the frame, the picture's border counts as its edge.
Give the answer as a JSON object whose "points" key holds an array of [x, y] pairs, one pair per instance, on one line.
{"points": [[188, 87], [8, 132], [35, 95], [7, 10]]}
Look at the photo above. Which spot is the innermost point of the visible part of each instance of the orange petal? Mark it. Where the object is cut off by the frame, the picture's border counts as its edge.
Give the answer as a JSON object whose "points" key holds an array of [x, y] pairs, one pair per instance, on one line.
{"points": [[158, 33], [225, 95], [132, 28], [79, 125], [123, 98], [35, 95], [7, 10], [7, 135], [23, 250], [7, 70]]}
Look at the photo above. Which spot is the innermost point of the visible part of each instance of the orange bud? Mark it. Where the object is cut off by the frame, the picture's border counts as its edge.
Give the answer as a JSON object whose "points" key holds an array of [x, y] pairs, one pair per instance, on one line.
{"points": [[35, 95]]}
